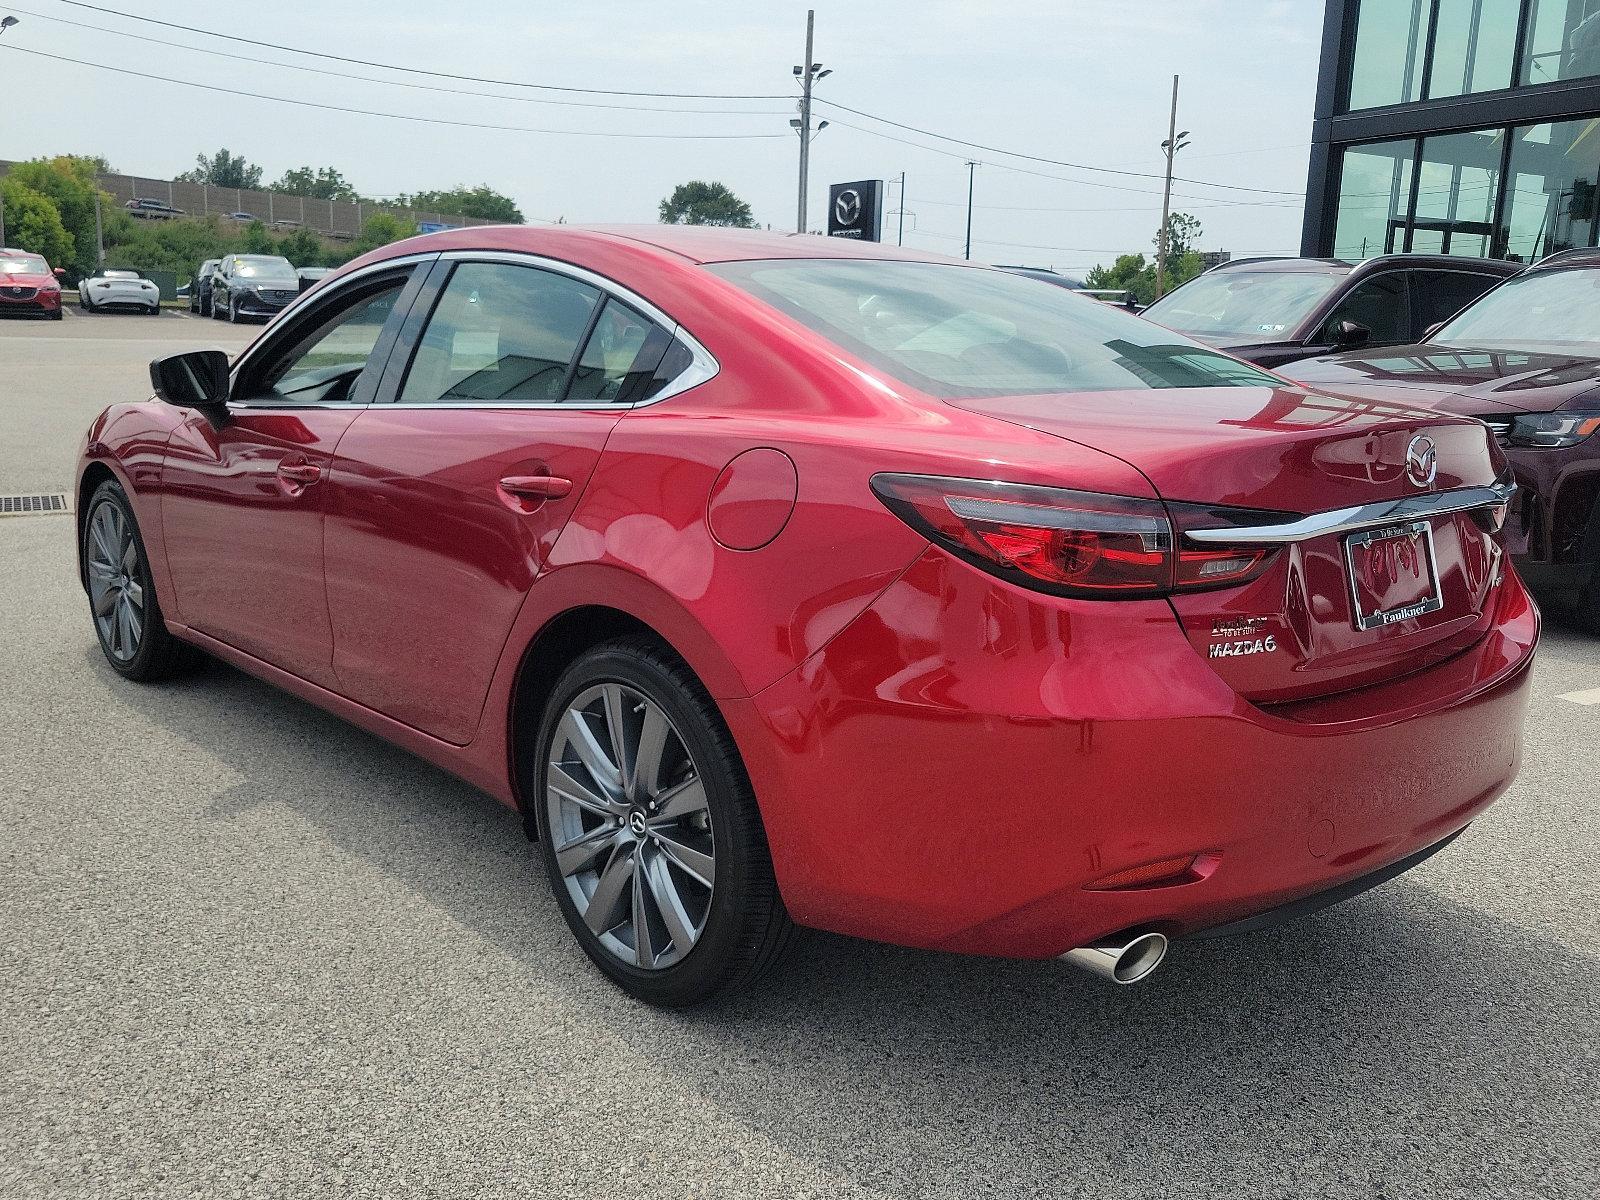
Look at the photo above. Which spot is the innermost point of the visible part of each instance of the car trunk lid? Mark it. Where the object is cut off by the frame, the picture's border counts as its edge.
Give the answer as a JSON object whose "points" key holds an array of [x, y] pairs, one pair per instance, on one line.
{"points": [[1377, 584]]}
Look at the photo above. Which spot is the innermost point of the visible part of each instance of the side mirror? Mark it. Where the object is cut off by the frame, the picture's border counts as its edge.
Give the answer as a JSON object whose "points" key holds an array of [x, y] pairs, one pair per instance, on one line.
{"points": [[1347, 335], [1432, 331], [60, 271], [198, 379]]}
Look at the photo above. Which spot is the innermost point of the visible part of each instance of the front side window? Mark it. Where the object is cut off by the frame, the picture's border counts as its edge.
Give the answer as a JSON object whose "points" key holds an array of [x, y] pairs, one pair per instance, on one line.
{"points": [[1379, 304], [1244, 307], [323, 366], [1438, 295], [957, 332], [1559, 308], [500, 334]]}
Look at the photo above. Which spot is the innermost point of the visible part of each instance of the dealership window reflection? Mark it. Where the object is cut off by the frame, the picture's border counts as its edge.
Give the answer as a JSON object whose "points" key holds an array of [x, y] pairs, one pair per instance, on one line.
{"points": [[1554, 171], [1458, 184], [1563, 41], [1374, 199]]}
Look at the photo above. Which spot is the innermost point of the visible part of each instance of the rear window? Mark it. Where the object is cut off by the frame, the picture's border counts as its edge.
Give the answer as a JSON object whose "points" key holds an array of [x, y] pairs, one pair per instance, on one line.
{"points": [[960, 332]]}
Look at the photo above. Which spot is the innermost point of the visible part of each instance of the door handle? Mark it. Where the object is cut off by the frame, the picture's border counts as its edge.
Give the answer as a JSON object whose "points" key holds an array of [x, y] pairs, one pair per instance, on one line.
{"points": [[537, 487], [299, 472]]}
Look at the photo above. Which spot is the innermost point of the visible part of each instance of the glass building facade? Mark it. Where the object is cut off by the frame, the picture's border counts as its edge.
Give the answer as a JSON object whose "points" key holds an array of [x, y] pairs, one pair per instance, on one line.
{"points": [[1467, 127]]}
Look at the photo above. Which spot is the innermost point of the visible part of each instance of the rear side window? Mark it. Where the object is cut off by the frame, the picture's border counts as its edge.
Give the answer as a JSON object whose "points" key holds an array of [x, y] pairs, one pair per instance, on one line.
{"points": [[1439, 295], [500, 334], [958, 332], [619, 358]]}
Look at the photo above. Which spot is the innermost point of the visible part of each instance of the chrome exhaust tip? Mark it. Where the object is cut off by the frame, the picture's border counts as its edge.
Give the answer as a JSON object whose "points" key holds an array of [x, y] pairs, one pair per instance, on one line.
{"points": [[1123, 963]]}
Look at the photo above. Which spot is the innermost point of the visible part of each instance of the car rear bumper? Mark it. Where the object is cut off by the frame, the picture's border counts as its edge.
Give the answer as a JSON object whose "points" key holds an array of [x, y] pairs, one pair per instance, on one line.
{"points": [[961, 765]]}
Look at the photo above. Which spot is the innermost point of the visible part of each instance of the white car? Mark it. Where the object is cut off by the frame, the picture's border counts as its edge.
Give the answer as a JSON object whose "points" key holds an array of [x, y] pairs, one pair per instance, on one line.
{"points": [[119, 289]]}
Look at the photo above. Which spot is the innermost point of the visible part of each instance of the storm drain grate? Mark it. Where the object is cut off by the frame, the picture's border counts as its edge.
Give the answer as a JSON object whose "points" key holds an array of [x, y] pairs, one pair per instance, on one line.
{"points": [[33, 506]]}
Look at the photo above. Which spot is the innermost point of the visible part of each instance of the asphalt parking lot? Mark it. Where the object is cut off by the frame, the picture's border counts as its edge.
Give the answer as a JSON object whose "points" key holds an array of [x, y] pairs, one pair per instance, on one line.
{"points": [[251, 951]]}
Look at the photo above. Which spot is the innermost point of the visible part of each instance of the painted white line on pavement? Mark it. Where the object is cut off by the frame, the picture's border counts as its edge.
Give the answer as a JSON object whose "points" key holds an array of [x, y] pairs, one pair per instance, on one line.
{"points": [[1592, 696]]}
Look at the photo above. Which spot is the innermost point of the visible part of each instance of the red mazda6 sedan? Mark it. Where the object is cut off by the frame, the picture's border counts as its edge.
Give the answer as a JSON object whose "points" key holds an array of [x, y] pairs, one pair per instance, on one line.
{"points": [[780, 580]]}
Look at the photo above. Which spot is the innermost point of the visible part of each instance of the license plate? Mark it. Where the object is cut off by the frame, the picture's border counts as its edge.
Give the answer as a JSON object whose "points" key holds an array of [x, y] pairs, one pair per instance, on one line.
{"points": [[1394, 575]]}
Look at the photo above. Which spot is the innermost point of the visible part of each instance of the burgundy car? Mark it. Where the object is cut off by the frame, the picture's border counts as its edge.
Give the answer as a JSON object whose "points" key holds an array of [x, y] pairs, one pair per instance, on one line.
{"points": [[29, 285], [784, 580], [1525, 360]]}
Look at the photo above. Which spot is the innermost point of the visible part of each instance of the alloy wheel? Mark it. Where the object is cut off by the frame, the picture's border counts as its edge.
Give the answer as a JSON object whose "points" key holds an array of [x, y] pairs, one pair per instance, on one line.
{"points": [[630, 826], [116, 582]]}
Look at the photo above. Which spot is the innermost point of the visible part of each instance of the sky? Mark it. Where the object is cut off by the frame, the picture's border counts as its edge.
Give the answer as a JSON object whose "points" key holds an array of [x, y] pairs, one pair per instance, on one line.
{"points": [[1077, 81]]}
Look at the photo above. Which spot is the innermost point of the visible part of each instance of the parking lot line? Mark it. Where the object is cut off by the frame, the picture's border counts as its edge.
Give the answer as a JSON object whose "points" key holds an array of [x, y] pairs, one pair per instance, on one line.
{"points": [[1592, 696]]}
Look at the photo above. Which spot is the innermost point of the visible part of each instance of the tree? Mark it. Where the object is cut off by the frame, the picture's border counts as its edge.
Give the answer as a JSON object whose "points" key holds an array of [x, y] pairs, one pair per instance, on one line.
{"points": [[319, 183], [1183, 231], [701, 203], [179, 246], [33, 223], [482, 202], [257, 240], [223, 170], [1135, 274], [380, 229], [302, 247], [69, 184]]}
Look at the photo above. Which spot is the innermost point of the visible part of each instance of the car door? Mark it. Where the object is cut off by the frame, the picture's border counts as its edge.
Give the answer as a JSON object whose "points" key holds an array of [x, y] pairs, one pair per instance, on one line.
{"points": [[243, 498], [449, 494]]}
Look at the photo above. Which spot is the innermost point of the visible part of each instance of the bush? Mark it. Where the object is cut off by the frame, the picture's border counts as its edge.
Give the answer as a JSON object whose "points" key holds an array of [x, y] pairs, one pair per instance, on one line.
{"points": [[32, 223]]}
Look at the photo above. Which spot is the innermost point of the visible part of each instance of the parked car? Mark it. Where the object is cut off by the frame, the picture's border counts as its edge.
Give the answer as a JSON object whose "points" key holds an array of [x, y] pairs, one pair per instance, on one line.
{"points": [[797, 580], [241, 216], [1525, 359], [1046, 275], [158, 210], [200, 287], [119, 288], [28, 284], [1276, 310], [309, 276], [247, 286]]}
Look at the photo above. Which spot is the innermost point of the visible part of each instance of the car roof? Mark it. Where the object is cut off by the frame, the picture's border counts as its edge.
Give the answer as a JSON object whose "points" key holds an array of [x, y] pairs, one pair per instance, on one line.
{"points": [[694, 243], [1340, 266]]}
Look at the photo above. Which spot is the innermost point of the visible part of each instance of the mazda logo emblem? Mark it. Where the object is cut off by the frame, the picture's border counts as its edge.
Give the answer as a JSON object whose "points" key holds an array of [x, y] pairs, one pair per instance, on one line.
{"points": [[637, 824], [847, 207], [1422, 461]]}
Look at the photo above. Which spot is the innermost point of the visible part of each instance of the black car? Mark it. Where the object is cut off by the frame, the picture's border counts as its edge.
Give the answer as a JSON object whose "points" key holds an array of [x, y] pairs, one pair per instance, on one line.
{"points": [[247, 286], [158, 210], [1273, 311], [200, 287]]}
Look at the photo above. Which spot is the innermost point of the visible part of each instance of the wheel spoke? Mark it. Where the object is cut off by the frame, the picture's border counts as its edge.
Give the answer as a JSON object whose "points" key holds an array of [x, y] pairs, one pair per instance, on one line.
{"points": [[617, 727], [114, 628], [582, 851], [673, 914], [693, 862], [646, 768], [100, 568], [686, 799], [575, 726], [100, 534], [643, 953], [130, 638], [611, 892], [130, 559], [135, 594], [104, 602], [562, 784]]}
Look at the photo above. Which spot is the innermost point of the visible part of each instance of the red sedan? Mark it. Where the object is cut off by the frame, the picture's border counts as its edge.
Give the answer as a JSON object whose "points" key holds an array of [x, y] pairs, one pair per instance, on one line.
{"points": [[780, 580], [29, 285]]}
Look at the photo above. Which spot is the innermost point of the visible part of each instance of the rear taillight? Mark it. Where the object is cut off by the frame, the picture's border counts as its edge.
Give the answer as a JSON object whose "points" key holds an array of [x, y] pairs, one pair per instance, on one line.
{"points": [[1068, 542]]}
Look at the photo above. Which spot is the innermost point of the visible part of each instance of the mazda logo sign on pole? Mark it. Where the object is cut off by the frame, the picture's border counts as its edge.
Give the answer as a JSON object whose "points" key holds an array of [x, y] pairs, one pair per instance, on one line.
{"points": [[855, 210]]}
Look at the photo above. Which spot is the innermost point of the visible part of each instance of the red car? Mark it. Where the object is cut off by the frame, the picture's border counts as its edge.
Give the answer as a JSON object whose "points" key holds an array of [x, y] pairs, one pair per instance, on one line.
{"points": [[29, 285], [781, 580]]}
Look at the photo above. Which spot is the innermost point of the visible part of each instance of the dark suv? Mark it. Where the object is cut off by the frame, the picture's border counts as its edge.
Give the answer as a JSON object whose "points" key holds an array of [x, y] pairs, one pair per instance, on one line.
{"points": [[1525, 360], [252, 285], [200, 288], [1276, 310]]}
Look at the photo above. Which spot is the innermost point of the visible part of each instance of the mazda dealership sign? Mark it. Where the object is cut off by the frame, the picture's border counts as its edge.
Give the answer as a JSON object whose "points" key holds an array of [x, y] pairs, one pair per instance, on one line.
{"points": [[855, 210]]}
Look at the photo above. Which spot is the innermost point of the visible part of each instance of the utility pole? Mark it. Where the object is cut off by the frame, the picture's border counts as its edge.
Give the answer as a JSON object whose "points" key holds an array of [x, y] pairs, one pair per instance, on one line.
{"points": [[972, 169], [807, 76], [900, 238], [1175, 142]]}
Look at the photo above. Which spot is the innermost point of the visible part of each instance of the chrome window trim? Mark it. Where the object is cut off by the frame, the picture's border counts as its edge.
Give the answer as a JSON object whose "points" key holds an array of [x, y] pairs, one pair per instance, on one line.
{"points": [[260, 345], [702, 368], [1363, 516]]}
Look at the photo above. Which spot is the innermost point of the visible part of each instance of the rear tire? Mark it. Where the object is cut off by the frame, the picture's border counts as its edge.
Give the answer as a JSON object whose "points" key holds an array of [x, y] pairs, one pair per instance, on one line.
{"points": [[681, 845], [122, 597]]}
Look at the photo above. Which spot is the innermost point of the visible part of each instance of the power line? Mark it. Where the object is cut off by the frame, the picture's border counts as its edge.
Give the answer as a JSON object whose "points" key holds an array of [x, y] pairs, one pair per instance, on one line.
{"points": [[1054, 162], [364, 62], [367, 112], [426, 87]]}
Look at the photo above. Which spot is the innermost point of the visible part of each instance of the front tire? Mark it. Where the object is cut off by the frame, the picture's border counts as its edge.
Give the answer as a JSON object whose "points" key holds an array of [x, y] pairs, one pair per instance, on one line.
{"points": [[233, 311], [122, 598], [649, 830]]}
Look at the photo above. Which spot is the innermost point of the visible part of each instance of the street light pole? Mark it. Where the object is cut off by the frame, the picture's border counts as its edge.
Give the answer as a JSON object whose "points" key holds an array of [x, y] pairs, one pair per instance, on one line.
{"points": [[972, 169], [900, 238], [1175, 141], [6, 22]]}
